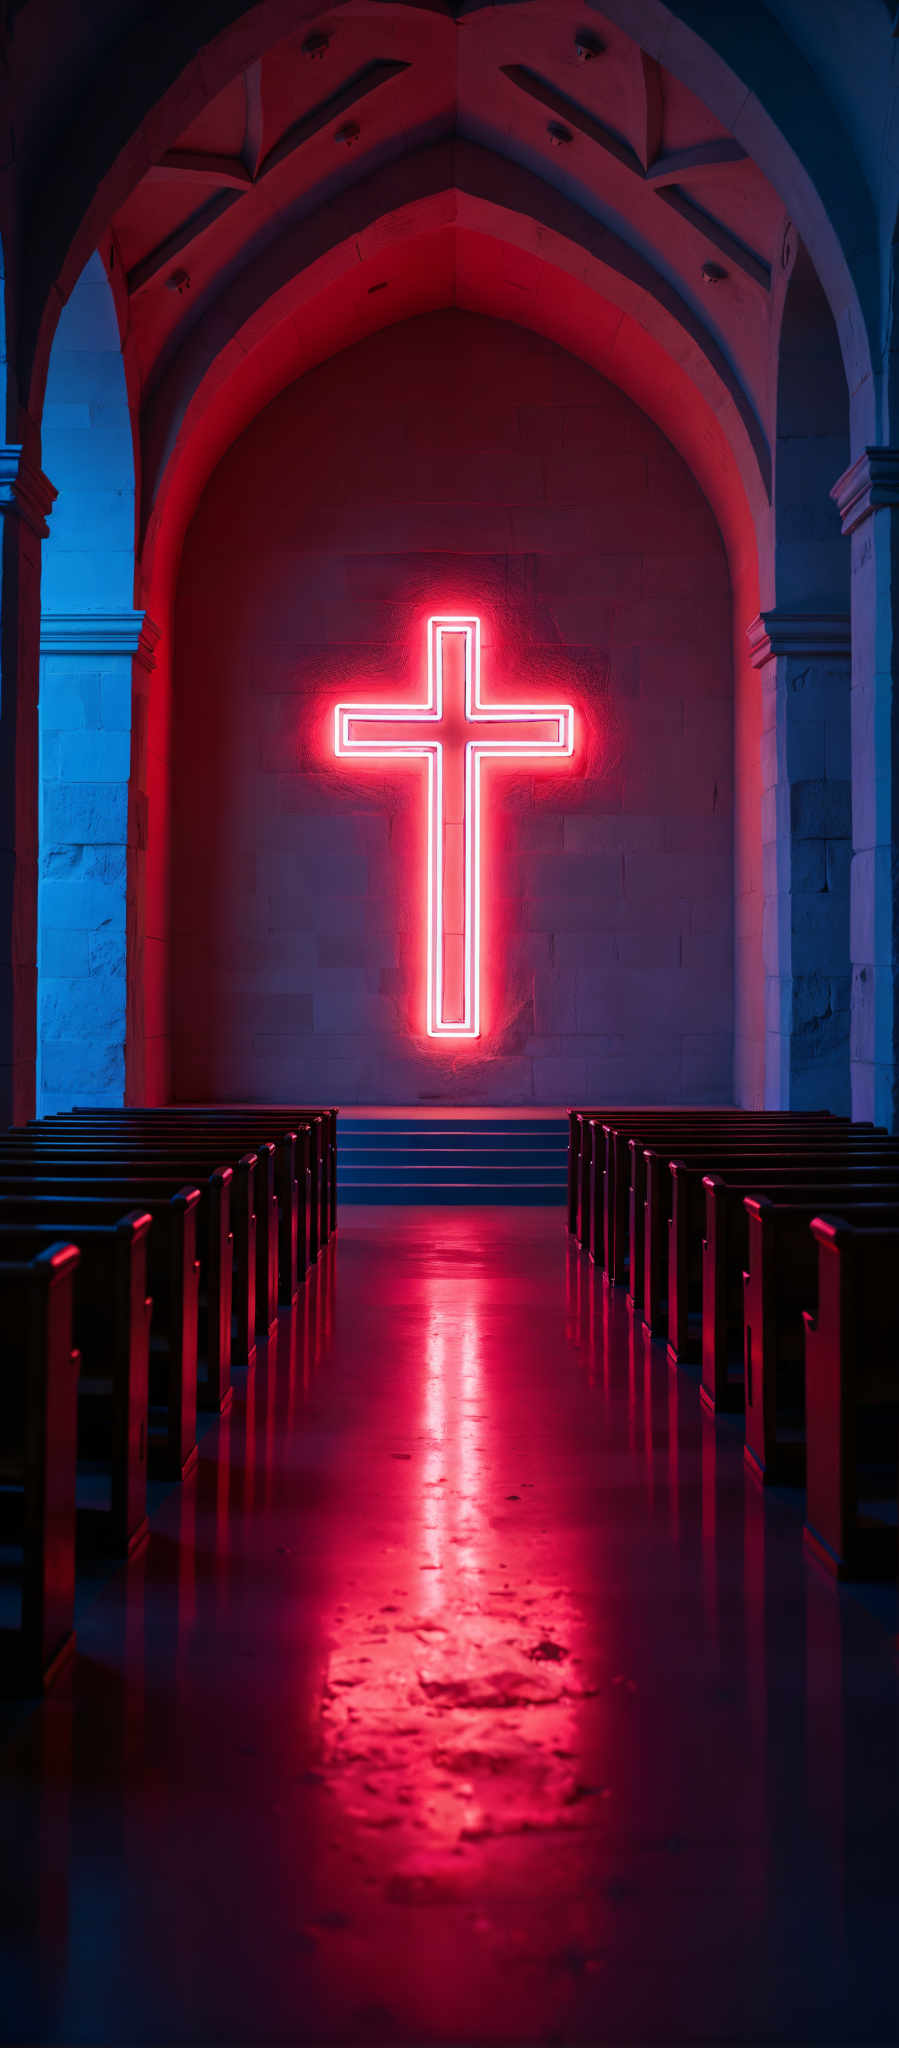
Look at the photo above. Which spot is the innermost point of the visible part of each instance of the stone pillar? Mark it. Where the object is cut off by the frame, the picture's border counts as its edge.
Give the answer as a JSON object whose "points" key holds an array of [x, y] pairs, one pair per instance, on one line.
{"points": [[867, 497], [87, 685], [26, 498], [804, 660]]}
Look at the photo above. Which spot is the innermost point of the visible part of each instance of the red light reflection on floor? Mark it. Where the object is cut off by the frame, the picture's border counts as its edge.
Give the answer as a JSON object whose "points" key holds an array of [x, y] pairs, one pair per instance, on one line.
{"points": [[467, 1691]]}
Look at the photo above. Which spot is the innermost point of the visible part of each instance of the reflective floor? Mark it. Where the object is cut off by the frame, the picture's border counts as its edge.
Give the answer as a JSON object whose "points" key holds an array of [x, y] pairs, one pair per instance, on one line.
{"points": [[467, 1692]]}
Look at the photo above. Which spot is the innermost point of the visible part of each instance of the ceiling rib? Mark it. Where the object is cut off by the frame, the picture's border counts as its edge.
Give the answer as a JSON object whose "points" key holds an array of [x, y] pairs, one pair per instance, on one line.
{"points": [[653, 108], [143, 273], [253, 135], [234, 172], [714, 231], [349, 95], [701, 157], [579, 117], [203, 166]]}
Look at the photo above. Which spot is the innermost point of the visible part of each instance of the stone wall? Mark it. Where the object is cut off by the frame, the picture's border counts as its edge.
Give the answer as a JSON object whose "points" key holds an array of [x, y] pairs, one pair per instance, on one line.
{"points": [[90, 639], [458, 464]]}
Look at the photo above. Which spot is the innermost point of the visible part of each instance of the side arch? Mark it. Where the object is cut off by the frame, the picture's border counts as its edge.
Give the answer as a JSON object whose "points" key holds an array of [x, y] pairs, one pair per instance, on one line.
{"points": [[90, 633]]}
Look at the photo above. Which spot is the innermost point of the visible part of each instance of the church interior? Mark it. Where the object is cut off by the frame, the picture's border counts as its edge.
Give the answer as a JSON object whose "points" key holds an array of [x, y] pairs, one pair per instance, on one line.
{"points": [[449, 1022]]}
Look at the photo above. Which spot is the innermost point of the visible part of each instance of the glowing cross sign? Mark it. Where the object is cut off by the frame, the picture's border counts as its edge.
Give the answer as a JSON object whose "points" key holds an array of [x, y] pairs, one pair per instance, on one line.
{"points": [[446, 732]]}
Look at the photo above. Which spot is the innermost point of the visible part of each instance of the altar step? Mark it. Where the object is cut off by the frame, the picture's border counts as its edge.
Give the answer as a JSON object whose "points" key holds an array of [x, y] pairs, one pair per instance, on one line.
{"points": [[517, 1159]]}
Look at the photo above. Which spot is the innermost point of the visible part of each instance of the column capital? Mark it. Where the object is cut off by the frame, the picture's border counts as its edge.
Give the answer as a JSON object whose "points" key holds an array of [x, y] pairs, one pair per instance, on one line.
{"points": [[806, 635], [24, 489], [868, 485], [101, 633]]}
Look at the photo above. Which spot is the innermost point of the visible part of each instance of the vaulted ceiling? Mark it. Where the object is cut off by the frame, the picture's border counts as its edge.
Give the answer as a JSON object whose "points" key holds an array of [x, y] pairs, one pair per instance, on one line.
{"points": [[382, 159]]}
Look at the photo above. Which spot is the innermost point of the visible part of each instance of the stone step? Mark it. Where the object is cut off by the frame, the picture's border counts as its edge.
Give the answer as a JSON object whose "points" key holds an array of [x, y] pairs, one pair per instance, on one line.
{"points": [[447, 1158]]}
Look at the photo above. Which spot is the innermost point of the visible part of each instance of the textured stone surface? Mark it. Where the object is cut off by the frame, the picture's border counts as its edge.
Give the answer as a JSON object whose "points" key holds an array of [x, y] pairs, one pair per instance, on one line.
{"points": [[85, 711], [608, 923]]}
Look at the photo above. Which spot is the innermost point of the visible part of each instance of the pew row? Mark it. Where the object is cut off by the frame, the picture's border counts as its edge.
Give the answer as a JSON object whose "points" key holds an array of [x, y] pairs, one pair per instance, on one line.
{"points": [[306, 1154], [268, 1120], [674, 1207], [253, 1203], [38, 1421], [173, 1276], [738, 1260], [780, 1286], [852, 1400], [112, 1337], [213, 1241]]}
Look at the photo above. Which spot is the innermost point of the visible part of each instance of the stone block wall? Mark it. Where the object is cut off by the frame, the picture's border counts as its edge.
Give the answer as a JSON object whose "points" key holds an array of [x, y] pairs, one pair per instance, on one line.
{"points": [[85, 722], [452, 464]]}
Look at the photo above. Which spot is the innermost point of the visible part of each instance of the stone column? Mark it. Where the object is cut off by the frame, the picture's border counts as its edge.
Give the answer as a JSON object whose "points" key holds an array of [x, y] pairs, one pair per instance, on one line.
{"points": [[26, 498], [87, 685], [867, 497], [804, 660]]}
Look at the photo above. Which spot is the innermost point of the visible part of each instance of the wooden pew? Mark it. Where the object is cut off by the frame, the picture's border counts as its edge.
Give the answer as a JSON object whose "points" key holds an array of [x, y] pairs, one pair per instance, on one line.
{"points": [[112, 1336], [677, 1134], [20, 1179], [281, 1196], [37, 1465], [173, 1277], [755, 1169], [729, 1200], [322, 1123], [268, 1120], [574, 1139], [852, 1400], [580, 1178], [588, 1217], [667, 1241], [780, 1286], [253, 1206], [587, 1173], [293, 1175], [661, 1127]]}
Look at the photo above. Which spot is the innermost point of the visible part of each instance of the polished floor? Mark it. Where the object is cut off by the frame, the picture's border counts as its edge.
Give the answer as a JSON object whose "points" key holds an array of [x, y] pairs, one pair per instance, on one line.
{"points": [[468, 1692]]}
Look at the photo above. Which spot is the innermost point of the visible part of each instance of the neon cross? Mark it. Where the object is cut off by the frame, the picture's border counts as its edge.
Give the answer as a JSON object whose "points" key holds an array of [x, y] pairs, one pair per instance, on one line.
{"points": [[453, 707]]}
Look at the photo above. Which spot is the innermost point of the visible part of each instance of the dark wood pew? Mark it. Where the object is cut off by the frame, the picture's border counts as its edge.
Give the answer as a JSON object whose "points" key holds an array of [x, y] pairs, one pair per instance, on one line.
{"points": [[268, 1120], [112, 1336], [726, 1247], [659, 1127], [173, 1277], [730, 1242], [583, 1189], [852, 1400], [780, 1286], [798, 1158], [21, 1178], [281, 1194], [588, 1211], [619, 1162], [677, 1134], [574, 1143], [322, 1122], [580, 1174], [254, 1214], [302, 1226], [666, 1279], [38, 1425], [293, 1179]]}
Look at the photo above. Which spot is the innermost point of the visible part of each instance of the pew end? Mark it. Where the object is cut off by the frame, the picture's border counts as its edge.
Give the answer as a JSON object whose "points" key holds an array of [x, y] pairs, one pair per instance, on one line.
{"points": [[852, 1401], [37, 1467]]}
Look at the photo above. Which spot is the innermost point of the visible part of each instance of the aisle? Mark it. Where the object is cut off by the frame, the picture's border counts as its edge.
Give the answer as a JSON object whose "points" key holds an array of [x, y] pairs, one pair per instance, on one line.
{"points": [[468, 1692]]}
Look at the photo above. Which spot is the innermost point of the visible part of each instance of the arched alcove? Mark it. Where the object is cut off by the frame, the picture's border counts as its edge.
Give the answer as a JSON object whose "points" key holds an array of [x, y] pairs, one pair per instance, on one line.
{"points": [[453, 463], [803, 649], [89, 635]]}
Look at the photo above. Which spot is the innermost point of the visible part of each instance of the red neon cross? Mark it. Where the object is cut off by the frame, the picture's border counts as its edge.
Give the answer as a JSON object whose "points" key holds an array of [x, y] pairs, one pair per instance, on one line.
{"points": [[440, 733]]}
